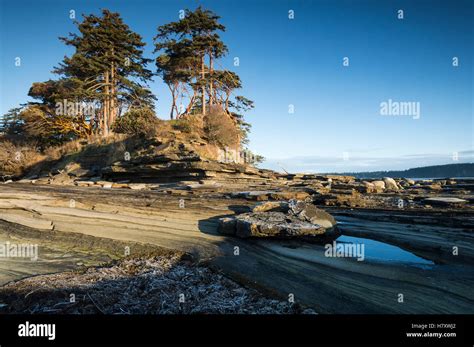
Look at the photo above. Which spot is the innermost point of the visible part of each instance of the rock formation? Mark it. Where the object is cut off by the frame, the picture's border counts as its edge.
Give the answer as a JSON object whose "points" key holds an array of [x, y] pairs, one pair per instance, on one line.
{"points": [[282, 220]]}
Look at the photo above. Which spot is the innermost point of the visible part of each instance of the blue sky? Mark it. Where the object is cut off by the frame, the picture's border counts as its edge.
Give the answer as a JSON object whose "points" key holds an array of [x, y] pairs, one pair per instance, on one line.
{"points": [[336, 124]]}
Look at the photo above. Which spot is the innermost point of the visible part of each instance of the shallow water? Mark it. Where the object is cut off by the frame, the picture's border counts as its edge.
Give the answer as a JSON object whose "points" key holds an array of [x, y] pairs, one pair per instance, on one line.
{"points": [[384, 252]]}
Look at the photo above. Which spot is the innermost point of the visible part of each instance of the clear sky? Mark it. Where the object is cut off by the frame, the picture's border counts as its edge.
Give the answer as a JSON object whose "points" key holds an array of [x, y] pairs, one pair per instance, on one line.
{"points": [[336, 124]]}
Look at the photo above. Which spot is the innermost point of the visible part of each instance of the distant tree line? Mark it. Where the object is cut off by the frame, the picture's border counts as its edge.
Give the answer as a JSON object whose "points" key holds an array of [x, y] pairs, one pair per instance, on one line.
{"points": [[435, 171]]}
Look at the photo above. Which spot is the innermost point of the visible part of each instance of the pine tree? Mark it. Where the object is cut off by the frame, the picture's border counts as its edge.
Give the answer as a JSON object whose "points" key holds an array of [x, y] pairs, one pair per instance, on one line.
{"points": [[193, 38], [11, 122], [177, 66], [109, 64]]}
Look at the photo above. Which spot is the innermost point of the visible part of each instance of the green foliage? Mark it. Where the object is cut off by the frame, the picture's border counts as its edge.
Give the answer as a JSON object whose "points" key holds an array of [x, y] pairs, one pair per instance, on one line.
{"points": [[104, 42], [140, 121], [109, 63], [242, 104], [53, 91], [183, 125], [11, 122], [183, 46], [197, 30], [48, 129], [258, 159], [108, 70]]}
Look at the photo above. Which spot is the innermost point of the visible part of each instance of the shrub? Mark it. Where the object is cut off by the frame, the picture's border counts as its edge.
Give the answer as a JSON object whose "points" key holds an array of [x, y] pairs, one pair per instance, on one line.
{"points": [[221, 130], [57, 152], [140, 121], [14, 159], [183, 125]]}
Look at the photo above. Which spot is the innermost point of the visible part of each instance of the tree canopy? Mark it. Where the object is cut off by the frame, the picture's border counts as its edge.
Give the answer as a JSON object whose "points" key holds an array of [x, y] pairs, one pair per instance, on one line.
{"points": [[107, 78]]}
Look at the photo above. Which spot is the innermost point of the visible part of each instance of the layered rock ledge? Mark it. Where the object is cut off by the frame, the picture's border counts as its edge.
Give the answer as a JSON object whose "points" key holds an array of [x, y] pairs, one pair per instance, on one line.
{"points": [[282, 220]]}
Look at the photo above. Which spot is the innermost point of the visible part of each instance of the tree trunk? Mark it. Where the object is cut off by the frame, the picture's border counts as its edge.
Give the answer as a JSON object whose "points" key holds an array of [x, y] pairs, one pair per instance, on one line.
{"points": [[173, 102], [227, 102], [203, 88], [191, 103], [113, 111], [211, 92], [106, 106], [177, 112]]}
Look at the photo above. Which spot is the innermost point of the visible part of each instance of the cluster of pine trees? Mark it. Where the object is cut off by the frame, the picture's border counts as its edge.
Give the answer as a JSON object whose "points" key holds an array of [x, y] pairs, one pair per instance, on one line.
{"points": [[107, 78]]}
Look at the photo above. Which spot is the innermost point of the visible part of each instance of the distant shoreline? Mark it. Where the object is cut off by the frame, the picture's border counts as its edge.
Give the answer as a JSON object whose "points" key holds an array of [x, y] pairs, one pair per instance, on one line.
{"points": [[459, 171]]}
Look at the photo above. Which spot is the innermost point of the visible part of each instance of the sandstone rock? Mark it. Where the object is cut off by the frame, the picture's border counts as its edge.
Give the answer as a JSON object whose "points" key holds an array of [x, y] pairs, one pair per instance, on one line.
{"points": [[409, 181], [345, 179], [274, 224], [253, 195], [178, 192], [352, 199], [23, 181], [137, 186], [107, 185], [444, 201], [379, 185], [390, 184], [31, 222], [119, 185], [282, 220], [62, 179], [271, 206], [310, 213], [369, 187], [84, 183], [434, 186], [289, 195], [204, 185], [100, 182]]}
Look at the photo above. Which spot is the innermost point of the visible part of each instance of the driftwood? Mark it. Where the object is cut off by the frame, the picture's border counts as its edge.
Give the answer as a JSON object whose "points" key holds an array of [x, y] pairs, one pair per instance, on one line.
{"points": [[158, 285]]}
